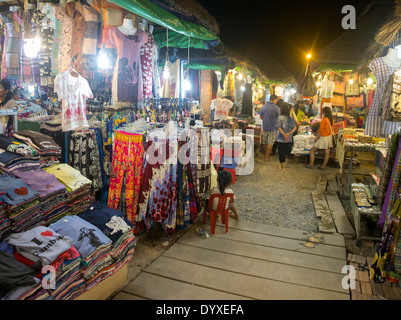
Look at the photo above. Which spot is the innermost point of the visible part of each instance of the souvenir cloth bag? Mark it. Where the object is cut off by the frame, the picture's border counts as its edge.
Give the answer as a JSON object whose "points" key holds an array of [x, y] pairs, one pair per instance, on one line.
{"points": [[338, 100], [309, 88], [352, 89], [339, 87], [355, 102]]}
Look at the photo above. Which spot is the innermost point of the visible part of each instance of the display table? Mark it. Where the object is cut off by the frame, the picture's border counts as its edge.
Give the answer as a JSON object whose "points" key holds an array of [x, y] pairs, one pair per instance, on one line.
{"points": [[359, 196]]}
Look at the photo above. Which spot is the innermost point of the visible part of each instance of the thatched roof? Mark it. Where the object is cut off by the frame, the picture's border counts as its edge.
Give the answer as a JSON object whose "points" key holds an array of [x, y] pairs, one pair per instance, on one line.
{"points": [[387, 34], [192, 11], [351, 46]]}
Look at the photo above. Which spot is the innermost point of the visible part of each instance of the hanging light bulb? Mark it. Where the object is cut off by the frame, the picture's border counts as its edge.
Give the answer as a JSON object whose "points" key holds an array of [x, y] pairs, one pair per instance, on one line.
{"points": [[240, 76], [103, 60], [242, 88], [32, 47], [187, 84], [318, 84], [351, 81], [370, 81]]}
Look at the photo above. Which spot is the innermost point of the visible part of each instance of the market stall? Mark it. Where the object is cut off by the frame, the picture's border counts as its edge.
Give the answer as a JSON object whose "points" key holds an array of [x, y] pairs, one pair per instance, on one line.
{"points": [[84, 107]]}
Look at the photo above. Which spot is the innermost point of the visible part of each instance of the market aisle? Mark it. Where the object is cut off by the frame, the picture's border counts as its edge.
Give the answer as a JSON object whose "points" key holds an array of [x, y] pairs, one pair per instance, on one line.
{"points": [[251, 261]]}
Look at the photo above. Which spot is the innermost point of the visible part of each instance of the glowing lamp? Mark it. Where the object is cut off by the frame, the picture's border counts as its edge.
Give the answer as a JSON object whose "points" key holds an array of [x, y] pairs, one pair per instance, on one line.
{"points": [[351, 81], [370, 81], [240, 76], [32, 47], [242, 88], [308, 56], [103, 61]]}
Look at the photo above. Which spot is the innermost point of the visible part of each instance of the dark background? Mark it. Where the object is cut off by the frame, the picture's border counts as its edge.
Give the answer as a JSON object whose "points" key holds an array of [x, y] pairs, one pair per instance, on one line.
{"points": [[285, 29]]}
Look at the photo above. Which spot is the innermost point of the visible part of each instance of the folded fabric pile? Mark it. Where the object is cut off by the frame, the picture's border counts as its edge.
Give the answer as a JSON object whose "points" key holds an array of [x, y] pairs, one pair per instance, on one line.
{"points": [[51, 192], [44, 246], [49, 151], [79, 194], [22, 203], [15, 277], [93, 246], [10, 161], [5, 223], [115, 226], [15, 146]]}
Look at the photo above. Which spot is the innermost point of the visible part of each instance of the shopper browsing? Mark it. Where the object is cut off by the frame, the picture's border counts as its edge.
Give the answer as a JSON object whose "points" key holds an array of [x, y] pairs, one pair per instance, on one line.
{"points": [[269, 114], [286, 127], [324, 139]]}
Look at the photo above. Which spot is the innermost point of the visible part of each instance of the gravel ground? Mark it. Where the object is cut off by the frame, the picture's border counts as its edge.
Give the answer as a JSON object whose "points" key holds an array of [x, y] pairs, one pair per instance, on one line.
{"points": [[279, 197]]}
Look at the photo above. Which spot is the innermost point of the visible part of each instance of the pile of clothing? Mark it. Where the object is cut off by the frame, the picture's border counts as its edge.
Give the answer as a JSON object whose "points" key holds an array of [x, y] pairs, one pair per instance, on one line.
{"points": [[5, 223], [114, 225], [93, 246], [22, 203], [42, 249], [16, 155], [49, 151], [79, 192], [51, 192]]}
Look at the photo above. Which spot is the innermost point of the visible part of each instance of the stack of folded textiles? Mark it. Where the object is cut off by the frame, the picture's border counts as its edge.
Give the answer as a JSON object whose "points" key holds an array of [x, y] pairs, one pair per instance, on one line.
{"points": [[115, 226], [42, 246], [5, 223], [51, 192], [79, 194], [16, 155], [22, 203], [49, 151], [93, 246]]}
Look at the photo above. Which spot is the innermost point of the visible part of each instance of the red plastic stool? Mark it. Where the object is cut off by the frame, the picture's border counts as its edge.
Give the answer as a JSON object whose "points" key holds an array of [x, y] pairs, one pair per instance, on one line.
{"points": [[221, 209]]}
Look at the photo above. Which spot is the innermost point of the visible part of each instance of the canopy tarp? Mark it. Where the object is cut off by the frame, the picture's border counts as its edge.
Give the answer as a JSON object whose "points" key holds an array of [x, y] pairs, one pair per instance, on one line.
{"points": [[152, 12], [178, 40]]}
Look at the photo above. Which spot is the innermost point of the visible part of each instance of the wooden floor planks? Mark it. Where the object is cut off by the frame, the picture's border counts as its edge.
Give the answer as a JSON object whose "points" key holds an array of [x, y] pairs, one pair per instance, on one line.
{"points": [[251, 261]]}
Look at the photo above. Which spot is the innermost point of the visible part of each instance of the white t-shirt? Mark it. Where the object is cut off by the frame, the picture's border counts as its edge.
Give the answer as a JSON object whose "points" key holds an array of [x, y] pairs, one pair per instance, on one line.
{"points": [[221, 107], [216, 201], [73, 91]]}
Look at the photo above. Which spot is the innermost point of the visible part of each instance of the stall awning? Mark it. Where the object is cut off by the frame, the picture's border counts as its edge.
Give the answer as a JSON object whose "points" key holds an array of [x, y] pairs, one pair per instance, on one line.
{"points": [[179, 29]]}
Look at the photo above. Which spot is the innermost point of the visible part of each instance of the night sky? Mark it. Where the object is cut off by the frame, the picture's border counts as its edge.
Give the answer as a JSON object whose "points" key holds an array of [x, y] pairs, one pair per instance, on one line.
{"points": [[286, 29]]}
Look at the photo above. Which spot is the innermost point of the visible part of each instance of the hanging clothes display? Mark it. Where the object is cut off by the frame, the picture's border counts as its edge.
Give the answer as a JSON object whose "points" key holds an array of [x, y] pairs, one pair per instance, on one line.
{"points": [[127, 161], [90, 42], [127, 79], [221, 107], [390, 104], [26, 30], [76, 14], [64, 51], [12, 50], [375, 125], [327, 88], [147, 66], [171, 85], [73, 92], [84, 157]]}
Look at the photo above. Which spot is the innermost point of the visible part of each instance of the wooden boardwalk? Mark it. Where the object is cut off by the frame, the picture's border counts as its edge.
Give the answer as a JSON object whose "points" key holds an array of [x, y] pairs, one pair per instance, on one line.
{"points": [[251, 261]]}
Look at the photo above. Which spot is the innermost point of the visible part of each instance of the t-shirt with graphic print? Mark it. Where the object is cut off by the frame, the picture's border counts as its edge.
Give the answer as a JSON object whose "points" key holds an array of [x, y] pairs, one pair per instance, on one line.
{"points": [[73, 91], [221, 107]]}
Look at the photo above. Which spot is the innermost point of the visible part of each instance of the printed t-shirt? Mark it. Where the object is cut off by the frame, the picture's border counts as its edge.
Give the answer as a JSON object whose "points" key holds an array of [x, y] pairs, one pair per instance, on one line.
{"points": [[16, 191], [221, 107], [128, 74], [86, 237], [73, 91], [111, 222], [40, 244], [67, 175]]}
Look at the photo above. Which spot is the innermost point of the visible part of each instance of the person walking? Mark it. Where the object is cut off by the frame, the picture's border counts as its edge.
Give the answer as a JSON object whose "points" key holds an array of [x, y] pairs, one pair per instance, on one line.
{"points": [[269, 115], [324, 139], [286, 126]]}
